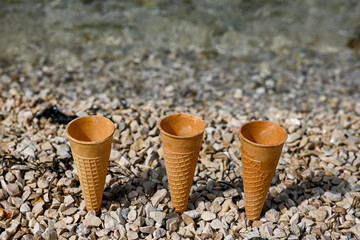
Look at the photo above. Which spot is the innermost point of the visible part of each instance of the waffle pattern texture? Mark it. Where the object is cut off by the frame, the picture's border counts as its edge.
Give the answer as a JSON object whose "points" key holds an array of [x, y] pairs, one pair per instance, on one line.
{"points": [[257, 181], [180, 169], [92, 174]]}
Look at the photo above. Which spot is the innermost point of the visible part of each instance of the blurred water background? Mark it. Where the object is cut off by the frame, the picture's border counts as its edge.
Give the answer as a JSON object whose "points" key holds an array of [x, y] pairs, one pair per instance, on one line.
{"points": [[68, 31]]}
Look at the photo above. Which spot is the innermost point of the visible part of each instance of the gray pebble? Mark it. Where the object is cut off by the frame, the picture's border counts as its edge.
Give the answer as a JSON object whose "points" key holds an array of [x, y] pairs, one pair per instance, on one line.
{"points": [[158, 233]]}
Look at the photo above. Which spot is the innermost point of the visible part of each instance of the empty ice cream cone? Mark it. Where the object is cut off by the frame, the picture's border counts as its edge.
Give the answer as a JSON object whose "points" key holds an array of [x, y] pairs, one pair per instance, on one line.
{"points": [[90, 139], [181, 135], [261, 146]]}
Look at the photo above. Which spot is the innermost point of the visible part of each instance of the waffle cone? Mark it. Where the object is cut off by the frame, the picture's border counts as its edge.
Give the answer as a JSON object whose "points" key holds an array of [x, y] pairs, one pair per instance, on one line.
{"points": [[181, 136], [90, 139], [261, 146]]}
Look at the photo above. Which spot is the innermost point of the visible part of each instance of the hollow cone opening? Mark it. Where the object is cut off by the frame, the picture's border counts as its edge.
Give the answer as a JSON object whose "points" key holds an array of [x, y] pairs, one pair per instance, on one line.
{"points": [[90, 129], [182, 125], [263, 133]]}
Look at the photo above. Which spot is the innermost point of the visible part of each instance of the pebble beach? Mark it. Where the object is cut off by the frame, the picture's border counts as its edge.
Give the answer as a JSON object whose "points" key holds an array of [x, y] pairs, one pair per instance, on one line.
{"points": [[314, 93]]}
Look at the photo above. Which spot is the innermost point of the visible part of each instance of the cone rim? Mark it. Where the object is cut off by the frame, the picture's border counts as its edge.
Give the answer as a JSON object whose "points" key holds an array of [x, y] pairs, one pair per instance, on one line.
{"points": [[90, 142], [260, 144], [181, 137]]}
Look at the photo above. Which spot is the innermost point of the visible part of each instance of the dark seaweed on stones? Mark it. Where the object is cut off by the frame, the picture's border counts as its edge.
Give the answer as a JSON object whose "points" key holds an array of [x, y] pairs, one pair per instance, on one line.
{"points": [[55, 115]]}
